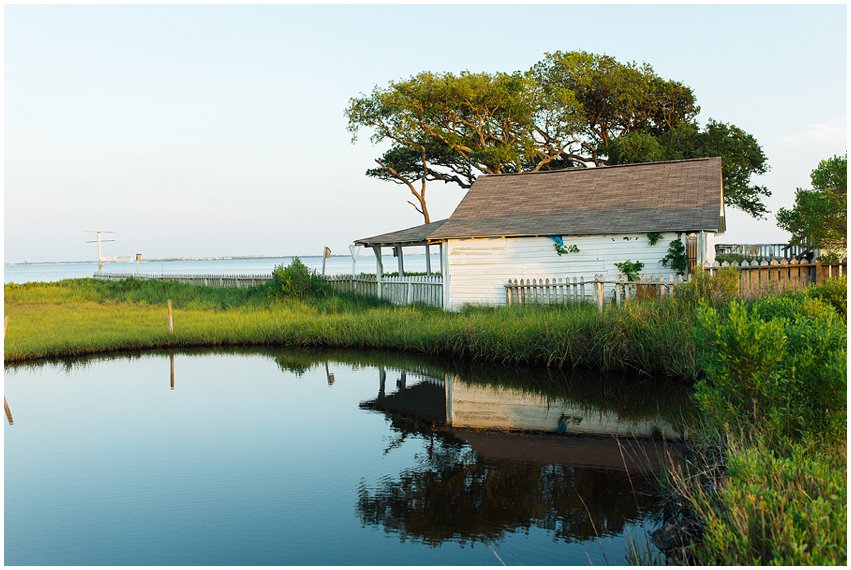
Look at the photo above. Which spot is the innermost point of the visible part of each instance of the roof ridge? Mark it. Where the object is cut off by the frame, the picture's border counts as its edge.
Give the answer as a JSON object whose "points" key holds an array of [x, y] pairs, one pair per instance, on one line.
{"points": [[588, 169]]}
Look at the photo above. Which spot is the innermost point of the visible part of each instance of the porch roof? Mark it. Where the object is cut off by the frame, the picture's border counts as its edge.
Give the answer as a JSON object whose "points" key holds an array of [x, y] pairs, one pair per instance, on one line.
{"points": [[417, 235]]}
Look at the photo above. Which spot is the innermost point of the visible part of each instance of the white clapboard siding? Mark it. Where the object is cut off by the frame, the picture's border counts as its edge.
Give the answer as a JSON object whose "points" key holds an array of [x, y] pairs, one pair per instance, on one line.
{"points": [[480, 268]]}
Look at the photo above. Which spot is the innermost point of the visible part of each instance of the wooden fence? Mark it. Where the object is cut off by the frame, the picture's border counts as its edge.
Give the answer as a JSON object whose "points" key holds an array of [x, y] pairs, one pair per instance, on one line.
{"points": [[580, 290], [209, 280], [755, 280], [426, 289], [771, 278]]}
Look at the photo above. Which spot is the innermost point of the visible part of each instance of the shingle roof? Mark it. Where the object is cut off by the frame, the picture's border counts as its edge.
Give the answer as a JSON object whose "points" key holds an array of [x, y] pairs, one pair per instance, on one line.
{"points": [[409, 236], [682, 195]]}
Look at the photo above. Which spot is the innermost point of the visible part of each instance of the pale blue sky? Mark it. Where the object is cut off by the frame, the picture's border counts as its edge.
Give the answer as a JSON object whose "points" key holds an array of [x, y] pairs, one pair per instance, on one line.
{"points": [[219, 130]]}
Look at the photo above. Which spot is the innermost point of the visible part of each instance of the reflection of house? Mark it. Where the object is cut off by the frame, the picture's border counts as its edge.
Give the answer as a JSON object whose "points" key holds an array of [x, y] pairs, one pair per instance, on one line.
{"points": [[464, 405], [485, 407], [507, 226], [468, 409]]}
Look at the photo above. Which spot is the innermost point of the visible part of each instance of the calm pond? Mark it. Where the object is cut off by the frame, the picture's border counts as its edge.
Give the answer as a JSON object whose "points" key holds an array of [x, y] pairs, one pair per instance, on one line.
{"points": [[259, 457]]}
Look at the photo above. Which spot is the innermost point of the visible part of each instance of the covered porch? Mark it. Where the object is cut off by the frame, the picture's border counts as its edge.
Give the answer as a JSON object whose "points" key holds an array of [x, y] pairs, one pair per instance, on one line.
{"points": [[402, 288]]}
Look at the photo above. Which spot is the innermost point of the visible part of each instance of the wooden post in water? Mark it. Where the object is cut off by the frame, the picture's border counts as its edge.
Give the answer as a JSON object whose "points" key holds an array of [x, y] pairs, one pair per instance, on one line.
{"points": [[170, 319], [171, 359]]}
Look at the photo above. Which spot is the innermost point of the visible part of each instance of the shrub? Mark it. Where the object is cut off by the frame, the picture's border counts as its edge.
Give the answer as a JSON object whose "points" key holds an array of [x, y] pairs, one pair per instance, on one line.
{"points": [[778, 364], [715, 289], [779, 506], [834, 292], [296, 280]]}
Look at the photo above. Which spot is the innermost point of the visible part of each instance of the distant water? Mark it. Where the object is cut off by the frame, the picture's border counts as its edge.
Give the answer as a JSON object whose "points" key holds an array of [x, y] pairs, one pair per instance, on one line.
{"points": [[336, 265]]}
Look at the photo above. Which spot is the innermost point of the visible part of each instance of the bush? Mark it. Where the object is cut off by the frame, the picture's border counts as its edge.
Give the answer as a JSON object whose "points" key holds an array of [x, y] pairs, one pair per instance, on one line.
{"points": [[779, 364], [296, 280], [715, 289], [834, 292], [779, 506]]}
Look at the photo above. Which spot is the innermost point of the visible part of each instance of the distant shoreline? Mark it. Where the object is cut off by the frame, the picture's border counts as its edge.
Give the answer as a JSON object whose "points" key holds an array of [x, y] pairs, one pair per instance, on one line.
{"points": [[157, 259]]}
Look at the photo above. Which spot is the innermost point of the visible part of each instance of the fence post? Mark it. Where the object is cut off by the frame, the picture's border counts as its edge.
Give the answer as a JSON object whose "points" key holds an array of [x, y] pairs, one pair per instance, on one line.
{"points": [[598, 285]]}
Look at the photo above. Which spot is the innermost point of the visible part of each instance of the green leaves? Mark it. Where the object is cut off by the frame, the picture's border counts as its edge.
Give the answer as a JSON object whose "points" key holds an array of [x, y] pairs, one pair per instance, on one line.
{"points": [[819, 216], [630, 268], [571, 109]]}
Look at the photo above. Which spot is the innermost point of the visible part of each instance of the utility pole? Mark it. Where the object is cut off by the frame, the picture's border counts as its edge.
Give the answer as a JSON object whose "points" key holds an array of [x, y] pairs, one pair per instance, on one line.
{"points": [[98, 241]]}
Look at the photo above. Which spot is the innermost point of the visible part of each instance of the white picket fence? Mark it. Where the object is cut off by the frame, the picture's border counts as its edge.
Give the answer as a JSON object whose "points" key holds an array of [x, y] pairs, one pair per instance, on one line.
{"points": [[209, 280], [406, 290], [580, 290]]}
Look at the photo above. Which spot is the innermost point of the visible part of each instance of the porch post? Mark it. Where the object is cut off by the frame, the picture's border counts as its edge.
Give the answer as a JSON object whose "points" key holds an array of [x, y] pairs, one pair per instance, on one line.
{"points": [[379, 268], [400, 260], [428, 260], [444, 270]]}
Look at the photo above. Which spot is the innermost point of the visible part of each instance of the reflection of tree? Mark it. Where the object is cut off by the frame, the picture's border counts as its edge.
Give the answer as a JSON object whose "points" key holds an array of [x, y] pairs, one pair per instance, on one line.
{"points": [[453, 495]]}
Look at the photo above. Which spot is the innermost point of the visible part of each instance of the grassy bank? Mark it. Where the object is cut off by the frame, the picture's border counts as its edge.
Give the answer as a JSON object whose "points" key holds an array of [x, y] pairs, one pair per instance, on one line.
{"points": [[85, 316]]}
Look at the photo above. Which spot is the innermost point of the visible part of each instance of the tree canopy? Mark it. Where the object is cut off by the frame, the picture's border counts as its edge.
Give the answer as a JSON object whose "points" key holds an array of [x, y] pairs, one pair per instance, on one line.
{"points": [[571, 109], [819, 216]]}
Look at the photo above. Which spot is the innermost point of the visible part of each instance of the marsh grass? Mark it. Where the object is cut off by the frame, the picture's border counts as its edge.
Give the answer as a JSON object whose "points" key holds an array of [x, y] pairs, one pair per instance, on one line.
{"points": [[86, 316]]}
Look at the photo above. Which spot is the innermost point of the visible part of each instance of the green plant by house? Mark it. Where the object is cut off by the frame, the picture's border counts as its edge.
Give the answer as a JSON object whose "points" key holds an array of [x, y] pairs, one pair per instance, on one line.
{"points": [[715, 290], [653, 237], [676, 258], [565, 249], [630, 268], [296, 280]]}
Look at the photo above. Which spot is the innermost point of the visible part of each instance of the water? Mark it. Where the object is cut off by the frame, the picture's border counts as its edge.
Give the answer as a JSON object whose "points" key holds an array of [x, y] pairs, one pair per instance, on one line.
{"points": [[275, 457], [335, 265]]}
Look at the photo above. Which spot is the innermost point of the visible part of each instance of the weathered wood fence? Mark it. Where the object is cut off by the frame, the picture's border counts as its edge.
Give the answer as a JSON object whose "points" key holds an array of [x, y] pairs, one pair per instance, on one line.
{"points": [[209, 280], [426, 289], [754, 280], [774, 277]]}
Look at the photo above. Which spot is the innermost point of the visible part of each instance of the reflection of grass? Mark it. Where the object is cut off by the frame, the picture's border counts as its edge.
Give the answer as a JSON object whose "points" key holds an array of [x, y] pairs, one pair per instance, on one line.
{"points": [[85, 316]]}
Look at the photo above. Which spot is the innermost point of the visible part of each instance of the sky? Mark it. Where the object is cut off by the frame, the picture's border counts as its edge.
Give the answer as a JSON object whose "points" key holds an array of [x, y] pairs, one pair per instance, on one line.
{"points": [[196, 131]]}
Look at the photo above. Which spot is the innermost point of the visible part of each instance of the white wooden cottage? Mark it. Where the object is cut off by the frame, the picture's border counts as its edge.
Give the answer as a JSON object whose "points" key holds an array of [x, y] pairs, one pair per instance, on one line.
{"points": [[507, 226]]}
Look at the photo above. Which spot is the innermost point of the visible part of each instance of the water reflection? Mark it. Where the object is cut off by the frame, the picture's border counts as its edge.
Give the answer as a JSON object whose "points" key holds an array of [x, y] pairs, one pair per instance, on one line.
{"points": [[436, 453], [479, 479]]}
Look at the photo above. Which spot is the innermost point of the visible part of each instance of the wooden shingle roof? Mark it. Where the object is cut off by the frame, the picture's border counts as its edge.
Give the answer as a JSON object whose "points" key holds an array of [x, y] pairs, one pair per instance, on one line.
{"points": [[682, 195]]}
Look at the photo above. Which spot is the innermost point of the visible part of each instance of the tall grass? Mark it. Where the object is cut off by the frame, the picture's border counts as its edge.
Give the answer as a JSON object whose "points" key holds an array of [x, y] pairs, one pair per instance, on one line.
{"points": [[86, 316]]}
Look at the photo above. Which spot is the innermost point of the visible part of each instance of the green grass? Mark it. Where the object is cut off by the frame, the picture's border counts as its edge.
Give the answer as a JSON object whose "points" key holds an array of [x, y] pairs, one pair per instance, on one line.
{"points": [[85, 316]]}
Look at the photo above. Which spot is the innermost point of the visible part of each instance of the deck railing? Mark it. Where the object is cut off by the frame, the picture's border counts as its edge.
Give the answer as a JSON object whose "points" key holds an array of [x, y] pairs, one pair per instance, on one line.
{"points": [[761, 251]]}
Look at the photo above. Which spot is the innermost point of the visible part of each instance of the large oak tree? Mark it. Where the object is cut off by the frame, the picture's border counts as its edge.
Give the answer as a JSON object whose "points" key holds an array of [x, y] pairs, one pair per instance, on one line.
{"points": [[572, 109]]}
